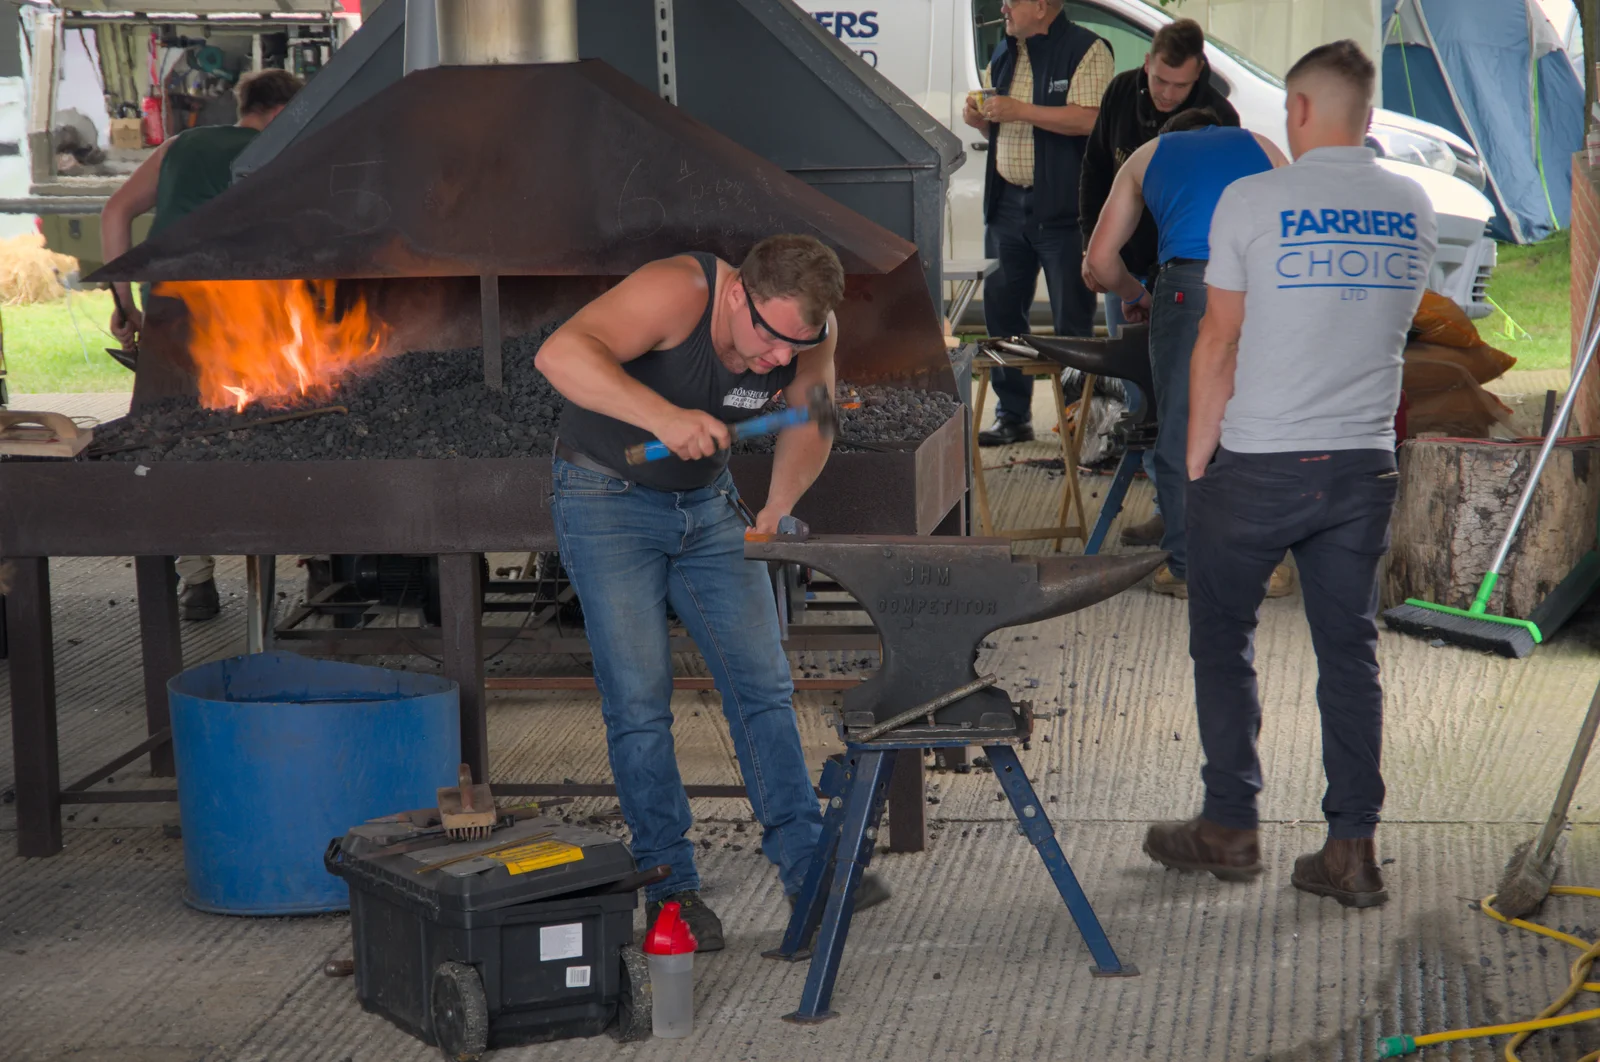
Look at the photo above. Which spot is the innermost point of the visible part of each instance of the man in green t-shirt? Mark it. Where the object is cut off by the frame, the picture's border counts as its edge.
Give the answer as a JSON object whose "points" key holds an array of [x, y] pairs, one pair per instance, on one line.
{"points": [[186, 171]]}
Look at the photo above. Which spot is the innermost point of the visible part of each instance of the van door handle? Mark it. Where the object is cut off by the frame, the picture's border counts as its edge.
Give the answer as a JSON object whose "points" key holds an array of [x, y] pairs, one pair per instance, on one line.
{"points": [[979, 145]]}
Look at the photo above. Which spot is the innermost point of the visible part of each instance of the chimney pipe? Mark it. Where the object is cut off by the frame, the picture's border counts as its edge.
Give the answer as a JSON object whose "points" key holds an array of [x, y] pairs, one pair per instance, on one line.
{"points": [[422, 35], [487, 32]]}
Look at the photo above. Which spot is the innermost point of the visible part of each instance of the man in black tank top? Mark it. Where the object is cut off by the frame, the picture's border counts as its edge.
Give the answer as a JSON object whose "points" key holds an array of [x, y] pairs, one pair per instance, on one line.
{"points": [[677, 351]]}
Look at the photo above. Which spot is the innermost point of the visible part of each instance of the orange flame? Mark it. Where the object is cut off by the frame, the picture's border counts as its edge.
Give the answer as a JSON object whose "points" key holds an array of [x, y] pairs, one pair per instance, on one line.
{"points": [[273, 341]]}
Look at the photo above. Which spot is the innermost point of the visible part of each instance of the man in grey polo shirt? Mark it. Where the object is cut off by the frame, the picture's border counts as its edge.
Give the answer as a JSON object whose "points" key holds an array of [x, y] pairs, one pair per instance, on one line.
{"points": [[1316, 271]]}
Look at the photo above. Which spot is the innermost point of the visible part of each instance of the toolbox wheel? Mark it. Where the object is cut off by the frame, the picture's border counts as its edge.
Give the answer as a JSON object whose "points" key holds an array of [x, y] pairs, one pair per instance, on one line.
{"points": [[634, 1012], [460, 1012]]}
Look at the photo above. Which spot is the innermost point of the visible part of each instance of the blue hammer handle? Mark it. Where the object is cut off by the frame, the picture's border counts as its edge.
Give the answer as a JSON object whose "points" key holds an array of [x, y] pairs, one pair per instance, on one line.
{"points": [[765, 424]]}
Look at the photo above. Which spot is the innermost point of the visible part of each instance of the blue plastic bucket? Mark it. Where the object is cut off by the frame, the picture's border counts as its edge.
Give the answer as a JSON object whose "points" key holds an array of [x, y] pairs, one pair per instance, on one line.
{"points": [[277, 753]]}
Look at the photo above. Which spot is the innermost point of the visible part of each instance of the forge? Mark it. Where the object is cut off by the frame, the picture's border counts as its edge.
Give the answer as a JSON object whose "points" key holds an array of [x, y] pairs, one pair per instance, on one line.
{"points": [[434, 404], [459, 236]]}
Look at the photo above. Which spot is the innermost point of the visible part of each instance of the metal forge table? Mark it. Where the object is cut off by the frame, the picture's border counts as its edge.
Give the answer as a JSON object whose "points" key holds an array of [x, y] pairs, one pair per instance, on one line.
{"points": [[455, 509]]}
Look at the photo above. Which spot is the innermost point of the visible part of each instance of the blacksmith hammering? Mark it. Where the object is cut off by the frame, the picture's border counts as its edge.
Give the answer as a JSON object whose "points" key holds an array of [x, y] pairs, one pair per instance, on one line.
{"points": [[934, 600]]}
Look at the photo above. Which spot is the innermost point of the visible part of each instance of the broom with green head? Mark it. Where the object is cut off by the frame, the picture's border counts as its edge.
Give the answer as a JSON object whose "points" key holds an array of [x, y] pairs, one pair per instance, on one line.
{"points": [[1474, 627]]}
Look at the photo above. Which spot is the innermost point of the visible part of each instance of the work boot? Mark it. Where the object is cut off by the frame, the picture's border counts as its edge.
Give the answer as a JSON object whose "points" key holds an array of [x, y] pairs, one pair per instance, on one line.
{"points": [[1167, 583], [703, 921], [199, 601], [1282, 582], [1228, 854], [1006, 432], [1347, 870], [1146, 534], [870, 892]]}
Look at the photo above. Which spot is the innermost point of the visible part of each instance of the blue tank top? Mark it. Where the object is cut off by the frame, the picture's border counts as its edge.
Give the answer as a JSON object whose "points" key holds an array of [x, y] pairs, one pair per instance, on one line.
{"points": [[1185, 178]]}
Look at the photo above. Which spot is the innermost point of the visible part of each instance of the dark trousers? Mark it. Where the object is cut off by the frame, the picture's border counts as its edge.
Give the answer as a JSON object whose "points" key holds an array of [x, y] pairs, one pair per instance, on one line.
{"points": [[1176, 308], [1023, 246], [1332, 509]]}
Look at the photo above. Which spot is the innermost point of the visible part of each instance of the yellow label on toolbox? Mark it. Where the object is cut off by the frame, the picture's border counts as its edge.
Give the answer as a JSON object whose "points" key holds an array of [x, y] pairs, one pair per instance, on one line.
{"points": [[538, 856]]}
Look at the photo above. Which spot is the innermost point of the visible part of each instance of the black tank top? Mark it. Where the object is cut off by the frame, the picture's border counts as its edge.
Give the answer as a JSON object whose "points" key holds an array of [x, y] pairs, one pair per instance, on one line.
{"points": [[688, 375]]}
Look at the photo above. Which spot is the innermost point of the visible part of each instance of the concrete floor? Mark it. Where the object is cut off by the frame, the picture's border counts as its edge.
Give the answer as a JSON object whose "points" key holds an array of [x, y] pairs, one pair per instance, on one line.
{"points": [[975, 957]]}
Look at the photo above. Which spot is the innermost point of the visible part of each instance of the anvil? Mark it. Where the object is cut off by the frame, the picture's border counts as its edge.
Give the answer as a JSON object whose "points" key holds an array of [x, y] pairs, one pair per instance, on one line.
{"points": [[934, 600]]}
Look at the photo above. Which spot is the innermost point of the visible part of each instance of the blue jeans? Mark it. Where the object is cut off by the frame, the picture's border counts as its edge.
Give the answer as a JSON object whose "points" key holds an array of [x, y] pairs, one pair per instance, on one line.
{"points": [[1114, 322], [1332, 509], [630, 551], [1023, 246], [1178, 304]]}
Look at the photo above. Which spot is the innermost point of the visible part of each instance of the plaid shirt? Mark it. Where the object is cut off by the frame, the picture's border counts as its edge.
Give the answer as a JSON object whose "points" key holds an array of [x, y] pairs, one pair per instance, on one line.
{"points": [[1014, 143]]}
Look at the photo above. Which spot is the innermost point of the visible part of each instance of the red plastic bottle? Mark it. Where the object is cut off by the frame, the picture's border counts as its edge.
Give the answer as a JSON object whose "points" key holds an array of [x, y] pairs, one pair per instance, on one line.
{"points": [[670, 947], [151, 124]]}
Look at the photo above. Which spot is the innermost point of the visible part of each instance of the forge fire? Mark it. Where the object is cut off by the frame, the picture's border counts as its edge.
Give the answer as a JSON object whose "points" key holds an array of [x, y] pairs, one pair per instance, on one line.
{"points": [[275, 343], [436, 405]]}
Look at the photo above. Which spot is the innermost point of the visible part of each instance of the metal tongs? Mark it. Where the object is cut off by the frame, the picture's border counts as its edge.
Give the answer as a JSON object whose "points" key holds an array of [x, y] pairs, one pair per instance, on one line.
{"points": [[1017, 345], [126, 356]]}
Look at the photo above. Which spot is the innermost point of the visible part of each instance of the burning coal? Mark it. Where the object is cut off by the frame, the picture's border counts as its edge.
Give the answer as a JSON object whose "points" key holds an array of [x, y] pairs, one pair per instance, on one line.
{"points": [[435, 405], [274, 343]]}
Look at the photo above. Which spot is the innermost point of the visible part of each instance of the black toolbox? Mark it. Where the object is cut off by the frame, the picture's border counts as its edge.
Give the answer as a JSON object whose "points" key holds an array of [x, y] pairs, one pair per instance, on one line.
{"points": [[523, 937]]}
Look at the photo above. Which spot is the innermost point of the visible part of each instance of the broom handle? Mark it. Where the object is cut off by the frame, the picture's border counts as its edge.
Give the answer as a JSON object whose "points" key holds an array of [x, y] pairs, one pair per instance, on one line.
{"points": [[1549, 444], [1569, 781]]}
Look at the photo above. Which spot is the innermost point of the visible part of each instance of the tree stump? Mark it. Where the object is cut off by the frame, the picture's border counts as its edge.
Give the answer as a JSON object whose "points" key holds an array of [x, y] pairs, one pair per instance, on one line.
{"points": [[1455, 502]]}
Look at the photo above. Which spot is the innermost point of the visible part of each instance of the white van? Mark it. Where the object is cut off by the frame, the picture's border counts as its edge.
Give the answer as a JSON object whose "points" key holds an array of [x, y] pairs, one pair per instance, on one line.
{"points": [[933, 51]]}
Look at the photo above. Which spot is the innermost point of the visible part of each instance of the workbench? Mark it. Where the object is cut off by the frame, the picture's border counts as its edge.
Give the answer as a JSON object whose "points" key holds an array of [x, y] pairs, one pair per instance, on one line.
{"points": [[453, 509]]}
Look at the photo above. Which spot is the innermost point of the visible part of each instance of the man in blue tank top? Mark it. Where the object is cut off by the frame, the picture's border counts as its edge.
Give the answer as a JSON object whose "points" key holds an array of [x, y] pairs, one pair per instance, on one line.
{"points": [[677, 351], [1179, 176]]}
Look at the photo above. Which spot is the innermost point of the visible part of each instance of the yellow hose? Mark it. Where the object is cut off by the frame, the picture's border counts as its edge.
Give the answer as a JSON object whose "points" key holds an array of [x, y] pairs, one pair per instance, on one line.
{"points": [[1549, 1018]]}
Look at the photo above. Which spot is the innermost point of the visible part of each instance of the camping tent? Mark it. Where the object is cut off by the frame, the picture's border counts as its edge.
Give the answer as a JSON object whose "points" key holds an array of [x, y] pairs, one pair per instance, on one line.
{"points": [[1494, 71]]}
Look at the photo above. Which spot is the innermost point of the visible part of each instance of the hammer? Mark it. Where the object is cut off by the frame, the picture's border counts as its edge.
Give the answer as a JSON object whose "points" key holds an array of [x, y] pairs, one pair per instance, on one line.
{"points": [[819, 408]]}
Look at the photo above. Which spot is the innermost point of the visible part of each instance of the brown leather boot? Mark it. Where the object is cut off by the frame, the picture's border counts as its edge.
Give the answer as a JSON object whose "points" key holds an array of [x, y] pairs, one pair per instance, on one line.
{"points": [[1198, 844], [1146, 534], [1347, 870]]}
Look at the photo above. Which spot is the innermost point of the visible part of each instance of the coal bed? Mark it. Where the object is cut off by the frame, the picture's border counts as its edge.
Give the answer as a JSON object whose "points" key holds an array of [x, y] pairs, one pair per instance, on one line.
{"points": [[436, 405]]}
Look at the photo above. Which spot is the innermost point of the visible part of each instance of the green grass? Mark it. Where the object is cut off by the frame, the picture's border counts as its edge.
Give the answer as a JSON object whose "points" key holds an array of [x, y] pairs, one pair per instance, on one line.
{"points": [[45, 354], [1531, 283]]}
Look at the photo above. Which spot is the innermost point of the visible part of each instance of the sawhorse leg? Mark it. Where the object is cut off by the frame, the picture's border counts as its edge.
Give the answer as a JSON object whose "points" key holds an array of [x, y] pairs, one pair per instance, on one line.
{"points": [[1036, 827], [866, 788], [1126, 468], [806, 914]]}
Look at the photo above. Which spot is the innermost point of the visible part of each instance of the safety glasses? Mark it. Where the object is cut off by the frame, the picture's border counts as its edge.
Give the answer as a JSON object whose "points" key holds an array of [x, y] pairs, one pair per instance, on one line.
{"points": [[760, 322]]}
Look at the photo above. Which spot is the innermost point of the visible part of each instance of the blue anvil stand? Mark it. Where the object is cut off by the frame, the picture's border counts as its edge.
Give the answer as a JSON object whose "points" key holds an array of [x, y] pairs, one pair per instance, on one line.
{"points": [[1127, 468], [855, 790]]}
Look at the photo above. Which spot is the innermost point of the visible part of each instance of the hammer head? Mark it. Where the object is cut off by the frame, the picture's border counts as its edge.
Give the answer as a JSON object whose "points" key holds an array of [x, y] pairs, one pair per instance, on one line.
{"points": [[823, 413]]}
